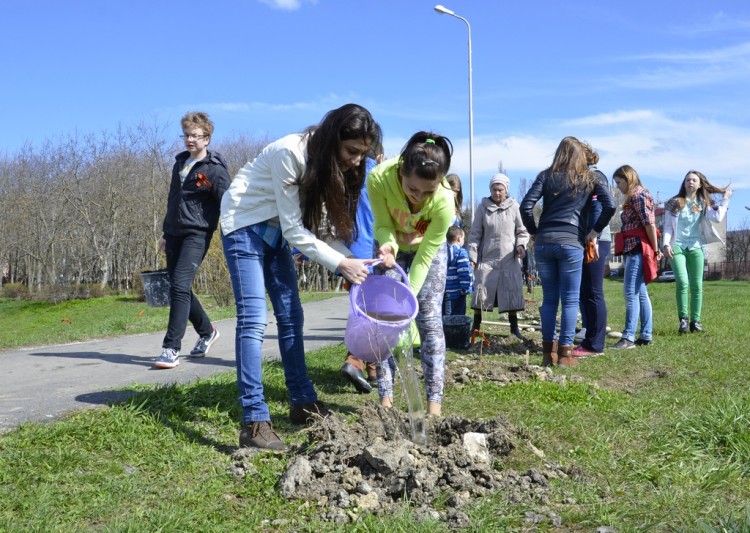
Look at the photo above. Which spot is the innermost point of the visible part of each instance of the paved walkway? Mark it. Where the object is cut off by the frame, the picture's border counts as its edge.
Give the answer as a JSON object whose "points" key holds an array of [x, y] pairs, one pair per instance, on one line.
{"points": [[38, 384]]}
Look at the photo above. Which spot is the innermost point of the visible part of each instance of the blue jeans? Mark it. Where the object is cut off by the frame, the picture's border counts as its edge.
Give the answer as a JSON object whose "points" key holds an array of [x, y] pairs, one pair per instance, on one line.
{"points": [[456, 306], [593, 306], [559, 266], [184, 257], [254, 268], [637, 302]]}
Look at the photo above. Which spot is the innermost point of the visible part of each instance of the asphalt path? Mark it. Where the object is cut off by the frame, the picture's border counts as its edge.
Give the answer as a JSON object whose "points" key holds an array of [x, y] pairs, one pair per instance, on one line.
{"points": [[42, 383]]}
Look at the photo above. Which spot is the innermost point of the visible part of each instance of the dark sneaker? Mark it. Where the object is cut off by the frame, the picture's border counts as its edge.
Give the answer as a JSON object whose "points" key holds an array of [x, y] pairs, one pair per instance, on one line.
{"points": [[169, 358], [683, 326], [623, 344], [307, 413], [262, 436], [355, 376], [643, 342], [696, 327], [204, 344]]}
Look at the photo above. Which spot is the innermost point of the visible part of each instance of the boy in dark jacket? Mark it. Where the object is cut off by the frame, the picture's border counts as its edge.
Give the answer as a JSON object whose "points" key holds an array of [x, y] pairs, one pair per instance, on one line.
{"points": [[459, 280], [199, 179]]}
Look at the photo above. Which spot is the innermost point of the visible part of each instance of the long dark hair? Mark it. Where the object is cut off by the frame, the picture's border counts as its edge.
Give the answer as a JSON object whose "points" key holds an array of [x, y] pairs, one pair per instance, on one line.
{"points": [[427, 155], [324, 183]]}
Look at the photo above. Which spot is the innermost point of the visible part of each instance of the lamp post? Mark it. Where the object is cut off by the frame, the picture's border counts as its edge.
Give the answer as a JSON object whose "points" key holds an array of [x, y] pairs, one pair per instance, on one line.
{"points": [[445, 11]]}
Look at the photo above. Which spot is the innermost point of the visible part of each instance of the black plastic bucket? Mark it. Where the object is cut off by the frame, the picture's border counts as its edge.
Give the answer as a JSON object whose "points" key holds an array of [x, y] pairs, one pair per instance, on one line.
{"points": [[457, 329], [156, 287]]}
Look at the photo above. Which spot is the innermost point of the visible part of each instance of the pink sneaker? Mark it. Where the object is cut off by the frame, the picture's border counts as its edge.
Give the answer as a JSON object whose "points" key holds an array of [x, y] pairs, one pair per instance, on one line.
{"points": [[581, 352]]}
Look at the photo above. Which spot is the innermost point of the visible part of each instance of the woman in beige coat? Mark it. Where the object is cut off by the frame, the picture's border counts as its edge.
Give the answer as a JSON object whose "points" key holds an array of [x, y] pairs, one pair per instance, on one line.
{"points": [[497, 245]]}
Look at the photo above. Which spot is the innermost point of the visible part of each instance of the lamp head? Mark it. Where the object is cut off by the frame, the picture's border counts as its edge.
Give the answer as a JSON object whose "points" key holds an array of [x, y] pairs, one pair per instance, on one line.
{"points": [[443, 10]]}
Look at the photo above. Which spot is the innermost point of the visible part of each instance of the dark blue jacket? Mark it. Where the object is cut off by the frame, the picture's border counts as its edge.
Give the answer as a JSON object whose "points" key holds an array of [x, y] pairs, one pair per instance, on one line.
{"points": [[193, 205], [564, 211], [596, 210]]}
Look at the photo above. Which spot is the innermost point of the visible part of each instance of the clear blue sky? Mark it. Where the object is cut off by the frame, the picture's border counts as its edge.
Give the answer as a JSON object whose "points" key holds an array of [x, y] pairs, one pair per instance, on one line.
{"points": [[660, 85]]}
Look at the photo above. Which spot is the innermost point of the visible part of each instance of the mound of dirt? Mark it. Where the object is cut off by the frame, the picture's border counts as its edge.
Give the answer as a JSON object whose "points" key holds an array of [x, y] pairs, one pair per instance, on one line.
{"points": [[372, 465]]}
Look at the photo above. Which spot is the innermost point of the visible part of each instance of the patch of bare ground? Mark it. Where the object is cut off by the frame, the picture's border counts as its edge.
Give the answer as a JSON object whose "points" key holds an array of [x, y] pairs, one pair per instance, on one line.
{"points": [[372, 465]]}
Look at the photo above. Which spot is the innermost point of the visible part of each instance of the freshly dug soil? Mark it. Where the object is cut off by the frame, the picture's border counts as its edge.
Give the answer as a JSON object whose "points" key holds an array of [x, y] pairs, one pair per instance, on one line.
{"points": [[372, 465]]}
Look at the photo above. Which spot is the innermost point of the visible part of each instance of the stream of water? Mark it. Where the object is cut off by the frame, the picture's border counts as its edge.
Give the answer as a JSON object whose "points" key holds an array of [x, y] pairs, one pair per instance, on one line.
{"points": [[385, 312], [403, 355]]}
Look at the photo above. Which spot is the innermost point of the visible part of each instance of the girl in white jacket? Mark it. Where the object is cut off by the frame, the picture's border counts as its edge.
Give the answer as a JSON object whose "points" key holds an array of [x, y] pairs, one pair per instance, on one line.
{"points": [[301, 191], [688, 226]]}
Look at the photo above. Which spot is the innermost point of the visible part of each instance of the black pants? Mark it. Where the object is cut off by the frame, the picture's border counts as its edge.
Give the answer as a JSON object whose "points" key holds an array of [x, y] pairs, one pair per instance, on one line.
{"points": [[184, 257]]}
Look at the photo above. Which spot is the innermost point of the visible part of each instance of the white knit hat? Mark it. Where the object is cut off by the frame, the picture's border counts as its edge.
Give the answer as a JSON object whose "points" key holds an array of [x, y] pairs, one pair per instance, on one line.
{"points": [[500, 178]]}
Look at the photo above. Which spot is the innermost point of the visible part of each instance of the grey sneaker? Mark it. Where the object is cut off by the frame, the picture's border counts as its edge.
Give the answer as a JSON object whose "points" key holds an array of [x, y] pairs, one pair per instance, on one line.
{"points": [[204, 344], [261, 435], [623, 344], [169, 358]]}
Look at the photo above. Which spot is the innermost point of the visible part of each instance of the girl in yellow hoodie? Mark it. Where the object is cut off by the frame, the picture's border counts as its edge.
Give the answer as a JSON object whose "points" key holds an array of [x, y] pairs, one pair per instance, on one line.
{"points": [[413, 208]]}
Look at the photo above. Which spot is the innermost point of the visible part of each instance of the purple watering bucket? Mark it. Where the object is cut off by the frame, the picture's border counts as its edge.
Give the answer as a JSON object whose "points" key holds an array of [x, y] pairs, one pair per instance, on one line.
{"points": [[381, 308]]}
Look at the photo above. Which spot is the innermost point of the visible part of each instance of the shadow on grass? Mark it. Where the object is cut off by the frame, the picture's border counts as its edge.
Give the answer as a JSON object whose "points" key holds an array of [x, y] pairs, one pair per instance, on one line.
{"points": [[187, 408]]}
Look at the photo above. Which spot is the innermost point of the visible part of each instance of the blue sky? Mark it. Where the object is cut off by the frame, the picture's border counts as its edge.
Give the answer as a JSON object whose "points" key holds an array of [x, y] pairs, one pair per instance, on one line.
{"points": [[660, 85]]}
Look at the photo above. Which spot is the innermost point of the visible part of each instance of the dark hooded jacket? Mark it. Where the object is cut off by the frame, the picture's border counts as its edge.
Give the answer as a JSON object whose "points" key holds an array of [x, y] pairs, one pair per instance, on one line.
{"points": [[193, 205]]}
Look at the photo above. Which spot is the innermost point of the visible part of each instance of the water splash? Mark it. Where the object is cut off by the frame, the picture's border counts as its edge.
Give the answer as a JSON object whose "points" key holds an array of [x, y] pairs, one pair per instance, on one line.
{"points": [[403, 356]]}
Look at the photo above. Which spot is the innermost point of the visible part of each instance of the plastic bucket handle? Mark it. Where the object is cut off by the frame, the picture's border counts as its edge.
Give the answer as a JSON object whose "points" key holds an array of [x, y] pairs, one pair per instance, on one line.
{"points": [[354, 292]]}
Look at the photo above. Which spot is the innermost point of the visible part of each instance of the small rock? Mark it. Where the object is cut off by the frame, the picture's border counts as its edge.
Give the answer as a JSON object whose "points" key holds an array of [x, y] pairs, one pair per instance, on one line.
{"points": [[476, 447], [368, 502], [614, 335], [534, 518], [298, 473]]}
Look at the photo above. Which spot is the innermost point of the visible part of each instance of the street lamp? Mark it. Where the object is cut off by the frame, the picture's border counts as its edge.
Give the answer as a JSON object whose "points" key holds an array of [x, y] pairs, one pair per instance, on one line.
{"points": [[445, 11]]}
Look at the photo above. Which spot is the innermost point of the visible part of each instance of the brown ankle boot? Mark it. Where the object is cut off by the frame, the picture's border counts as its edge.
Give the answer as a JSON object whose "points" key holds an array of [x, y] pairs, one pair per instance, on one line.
{"points": [[565, 356], [549, 353]]}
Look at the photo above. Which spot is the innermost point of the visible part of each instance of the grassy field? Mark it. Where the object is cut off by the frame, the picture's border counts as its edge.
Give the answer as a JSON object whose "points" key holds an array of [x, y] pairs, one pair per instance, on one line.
{"points": [[31, 323], [660, 434]]}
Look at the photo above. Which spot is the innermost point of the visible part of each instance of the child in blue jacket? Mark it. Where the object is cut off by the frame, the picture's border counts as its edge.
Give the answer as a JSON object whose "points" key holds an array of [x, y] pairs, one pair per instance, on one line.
{"points": [[459, 280]]}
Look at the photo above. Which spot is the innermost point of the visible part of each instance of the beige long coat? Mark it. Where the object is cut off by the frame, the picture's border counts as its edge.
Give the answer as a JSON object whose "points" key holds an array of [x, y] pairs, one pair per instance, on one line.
{"points": [[496, 232]]}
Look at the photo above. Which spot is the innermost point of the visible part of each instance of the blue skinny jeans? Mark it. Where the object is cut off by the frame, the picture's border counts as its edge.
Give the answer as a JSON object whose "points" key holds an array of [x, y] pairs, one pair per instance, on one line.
{"points": [[255, 267], [559, 266]]}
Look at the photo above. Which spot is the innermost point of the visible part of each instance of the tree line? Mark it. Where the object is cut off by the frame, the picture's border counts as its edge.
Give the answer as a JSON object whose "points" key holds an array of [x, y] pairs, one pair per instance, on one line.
{"points": [[88, 209]]}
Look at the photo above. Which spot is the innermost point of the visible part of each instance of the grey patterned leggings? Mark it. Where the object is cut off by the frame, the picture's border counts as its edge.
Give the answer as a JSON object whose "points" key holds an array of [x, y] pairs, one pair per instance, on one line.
{"points": [[430, 325]]}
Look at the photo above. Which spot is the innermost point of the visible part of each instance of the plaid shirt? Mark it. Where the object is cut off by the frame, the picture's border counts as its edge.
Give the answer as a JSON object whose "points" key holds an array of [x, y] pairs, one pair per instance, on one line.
{"points": [[269, 231], [637, 212]]}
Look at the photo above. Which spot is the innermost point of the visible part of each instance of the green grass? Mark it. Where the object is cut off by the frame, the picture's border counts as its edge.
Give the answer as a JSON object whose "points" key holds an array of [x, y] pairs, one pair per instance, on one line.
{"points": [[34, 323], [659, 438]]}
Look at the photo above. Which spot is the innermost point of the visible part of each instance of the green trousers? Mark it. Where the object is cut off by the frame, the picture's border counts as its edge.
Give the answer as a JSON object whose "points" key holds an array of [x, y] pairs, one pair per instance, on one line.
{"points": [[688, 276]]}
